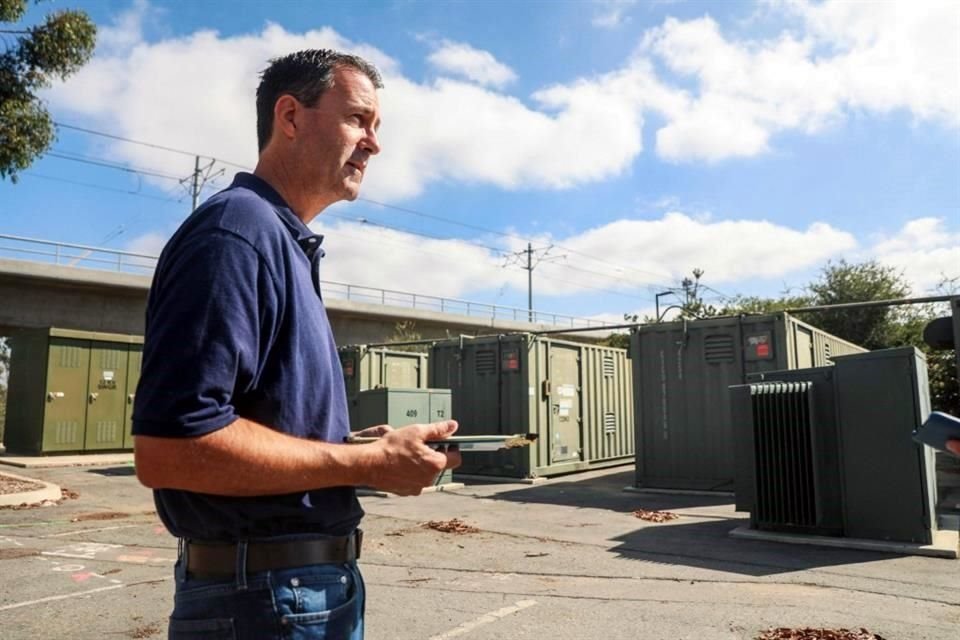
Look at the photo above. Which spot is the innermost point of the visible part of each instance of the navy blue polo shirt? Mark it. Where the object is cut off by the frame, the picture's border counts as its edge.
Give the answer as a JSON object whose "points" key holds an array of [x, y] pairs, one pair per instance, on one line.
{"points": [[236, 328]]}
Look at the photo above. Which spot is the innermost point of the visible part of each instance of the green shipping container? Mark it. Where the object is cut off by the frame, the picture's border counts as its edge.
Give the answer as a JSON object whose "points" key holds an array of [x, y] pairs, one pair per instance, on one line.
{"points": [[578, 398], [68, 390], [682, 372]]}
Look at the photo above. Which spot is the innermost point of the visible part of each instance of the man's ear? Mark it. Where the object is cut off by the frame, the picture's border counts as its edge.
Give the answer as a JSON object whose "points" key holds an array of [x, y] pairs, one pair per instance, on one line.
{"points": [[285, 112]]}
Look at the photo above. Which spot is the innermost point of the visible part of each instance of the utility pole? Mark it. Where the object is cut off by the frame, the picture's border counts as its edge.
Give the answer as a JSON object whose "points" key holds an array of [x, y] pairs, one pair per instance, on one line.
{"points": [[529, 282], [198, 180], [195, 187], [514, 258]]}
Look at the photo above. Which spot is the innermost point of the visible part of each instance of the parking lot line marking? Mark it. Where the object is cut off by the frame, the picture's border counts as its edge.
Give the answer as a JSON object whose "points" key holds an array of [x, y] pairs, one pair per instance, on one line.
{"points": [[486, 618], [70, 533], [63, 597]]}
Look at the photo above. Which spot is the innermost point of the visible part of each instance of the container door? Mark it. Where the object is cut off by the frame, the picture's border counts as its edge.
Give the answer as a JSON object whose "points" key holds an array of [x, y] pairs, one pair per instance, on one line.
{"points": [[804, 342], [565, 435], [133, 377], [66, 401], [106, 396], [439, 405], [401, 372]]}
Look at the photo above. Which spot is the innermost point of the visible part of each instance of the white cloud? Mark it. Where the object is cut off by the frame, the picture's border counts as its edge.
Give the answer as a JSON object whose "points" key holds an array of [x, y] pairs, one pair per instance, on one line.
{"points": [[582, 131], [925, 250], [612, 13], [851, 56], [444, 130], [658, 252], [477, 65]]}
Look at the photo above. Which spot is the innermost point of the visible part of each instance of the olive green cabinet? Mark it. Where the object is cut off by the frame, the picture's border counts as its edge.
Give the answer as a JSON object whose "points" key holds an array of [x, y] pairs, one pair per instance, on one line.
{"points": [[71, 391]]}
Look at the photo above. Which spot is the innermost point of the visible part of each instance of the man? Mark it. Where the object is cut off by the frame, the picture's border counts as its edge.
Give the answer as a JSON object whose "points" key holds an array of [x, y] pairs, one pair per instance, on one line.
{"points": [[241, 412]]}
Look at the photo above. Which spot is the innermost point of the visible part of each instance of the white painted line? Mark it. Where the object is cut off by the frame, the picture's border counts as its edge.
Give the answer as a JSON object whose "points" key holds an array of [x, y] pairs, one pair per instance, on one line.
{"points": [[486, 618], [70, 533], [64, 597]]}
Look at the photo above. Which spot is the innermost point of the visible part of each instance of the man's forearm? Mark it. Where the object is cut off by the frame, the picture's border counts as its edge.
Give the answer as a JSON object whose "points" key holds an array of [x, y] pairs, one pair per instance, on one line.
{"points": [[249, 459]]}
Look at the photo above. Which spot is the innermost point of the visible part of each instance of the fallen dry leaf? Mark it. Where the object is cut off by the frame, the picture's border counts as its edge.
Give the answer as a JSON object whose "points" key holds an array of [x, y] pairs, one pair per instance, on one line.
{"points": [[808, 633], [655, 516], [450, 526]]}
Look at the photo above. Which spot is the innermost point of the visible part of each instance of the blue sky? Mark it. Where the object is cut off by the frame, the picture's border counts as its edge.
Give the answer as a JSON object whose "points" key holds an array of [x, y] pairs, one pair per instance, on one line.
{"points": [[637, 140]]}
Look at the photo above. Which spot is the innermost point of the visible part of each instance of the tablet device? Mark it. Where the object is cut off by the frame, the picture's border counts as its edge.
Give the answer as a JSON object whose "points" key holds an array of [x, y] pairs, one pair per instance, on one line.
{"points": [[938, 428]]}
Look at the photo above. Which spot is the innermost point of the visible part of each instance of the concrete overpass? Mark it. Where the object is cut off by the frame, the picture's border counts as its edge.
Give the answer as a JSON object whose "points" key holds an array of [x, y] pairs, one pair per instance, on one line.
{"points": [[35, 294]]}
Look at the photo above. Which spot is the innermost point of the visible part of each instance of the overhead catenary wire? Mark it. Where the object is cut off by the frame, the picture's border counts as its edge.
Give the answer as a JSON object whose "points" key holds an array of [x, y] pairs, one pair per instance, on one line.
{"points": [[411, 211], [90, 185], [369, 200]]}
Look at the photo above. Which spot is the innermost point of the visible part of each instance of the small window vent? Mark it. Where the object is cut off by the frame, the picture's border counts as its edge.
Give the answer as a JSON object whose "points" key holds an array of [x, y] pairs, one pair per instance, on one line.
{"points": [[609, 422], [486, 362], [826, 350], [718, 349], [608, 366]]}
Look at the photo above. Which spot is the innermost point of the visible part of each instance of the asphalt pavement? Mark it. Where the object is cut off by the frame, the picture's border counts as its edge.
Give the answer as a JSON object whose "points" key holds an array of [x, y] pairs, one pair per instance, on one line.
{"points": [[560, 560]]}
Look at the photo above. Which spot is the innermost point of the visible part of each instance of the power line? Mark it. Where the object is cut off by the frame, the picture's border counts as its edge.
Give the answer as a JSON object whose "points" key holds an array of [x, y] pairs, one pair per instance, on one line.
{"points": [[110, 165], [374, 223], [375, 202], [97, 186]]}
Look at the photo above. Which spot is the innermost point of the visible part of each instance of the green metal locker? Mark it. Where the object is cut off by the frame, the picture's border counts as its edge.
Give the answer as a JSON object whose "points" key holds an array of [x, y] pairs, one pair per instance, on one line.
{"points": [[67, 390], [106, 396], [134, 362]]}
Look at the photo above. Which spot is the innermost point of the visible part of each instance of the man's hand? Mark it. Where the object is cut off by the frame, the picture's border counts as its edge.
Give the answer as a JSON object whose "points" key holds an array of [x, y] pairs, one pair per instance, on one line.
{"points": [[954, 447], [406, 464]]}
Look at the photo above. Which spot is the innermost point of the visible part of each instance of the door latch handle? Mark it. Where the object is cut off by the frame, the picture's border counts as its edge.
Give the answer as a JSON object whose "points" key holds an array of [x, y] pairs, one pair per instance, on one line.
{"points": [[93, 397], [53, 395]]}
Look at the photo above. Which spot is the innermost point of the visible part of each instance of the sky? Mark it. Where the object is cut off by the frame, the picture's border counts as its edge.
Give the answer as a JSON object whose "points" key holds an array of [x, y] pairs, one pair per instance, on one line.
{"points": [[628, 143]]}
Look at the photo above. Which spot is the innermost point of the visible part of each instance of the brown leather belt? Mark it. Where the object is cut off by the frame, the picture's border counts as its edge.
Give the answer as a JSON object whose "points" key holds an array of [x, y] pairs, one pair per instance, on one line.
{"points": [[219, 559]]}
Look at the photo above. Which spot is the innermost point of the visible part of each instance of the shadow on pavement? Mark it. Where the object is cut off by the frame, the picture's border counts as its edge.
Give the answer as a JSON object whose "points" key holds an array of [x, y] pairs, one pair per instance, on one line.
{"points": [[707, 545], [126, 470], [607, 492]]}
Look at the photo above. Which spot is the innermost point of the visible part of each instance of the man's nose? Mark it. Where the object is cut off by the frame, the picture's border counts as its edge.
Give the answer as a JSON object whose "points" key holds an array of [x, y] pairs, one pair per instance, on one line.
{"points": [[370, 142]]}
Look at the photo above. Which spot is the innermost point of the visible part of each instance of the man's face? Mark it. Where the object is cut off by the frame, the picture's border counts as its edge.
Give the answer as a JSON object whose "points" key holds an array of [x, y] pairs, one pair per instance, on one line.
{"points": [[339, 135]]}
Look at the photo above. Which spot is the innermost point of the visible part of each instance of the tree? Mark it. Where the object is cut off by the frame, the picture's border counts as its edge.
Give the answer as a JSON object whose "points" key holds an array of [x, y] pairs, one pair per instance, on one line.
{"points": [[54, 49], [871, 328]]}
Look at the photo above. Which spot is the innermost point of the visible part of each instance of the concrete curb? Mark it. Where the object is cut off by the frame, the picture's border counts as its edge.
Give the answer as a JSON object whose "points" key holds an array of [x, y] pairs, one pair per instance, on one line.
{"points": [[945, 544], [81, 460], [49, 491]]}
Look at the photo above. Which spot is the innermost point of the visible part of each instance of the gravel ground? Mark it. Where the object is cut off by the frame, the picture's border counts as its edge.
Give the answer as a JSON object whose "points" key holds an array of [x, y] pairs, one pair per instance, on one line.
{"points": [[15, 485]]}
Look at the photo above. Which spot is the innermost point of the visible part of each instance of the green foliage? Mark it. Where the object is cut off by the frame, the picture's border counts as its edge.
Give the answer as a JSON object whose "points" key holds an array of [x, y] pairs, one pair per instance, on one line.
{"points": [[619, 340], [56, 48], [406, 331], [873, 328], [747, 305]]}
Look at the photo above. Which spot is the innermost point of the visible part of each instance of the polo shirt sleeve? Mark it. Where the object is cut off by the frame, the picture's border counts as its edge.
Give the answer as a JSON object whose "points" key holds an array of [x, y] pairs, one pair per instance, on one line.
{"points": [[211, 317]]}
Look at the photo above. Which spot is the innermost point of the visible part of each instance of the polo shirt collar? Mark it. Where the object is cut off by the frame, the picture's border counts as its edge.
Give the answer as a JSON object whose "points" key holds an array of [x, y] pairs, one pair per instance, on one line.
{"points": [[309, 241]]}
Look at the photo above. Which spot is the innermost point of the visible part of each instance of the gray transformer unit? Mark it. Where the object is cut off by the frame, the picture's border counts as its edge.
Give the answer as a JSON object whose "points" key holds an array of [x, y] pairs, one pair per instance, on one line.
{"points": [[681, 373], [377, 367], [828, 450], [576, 397]]}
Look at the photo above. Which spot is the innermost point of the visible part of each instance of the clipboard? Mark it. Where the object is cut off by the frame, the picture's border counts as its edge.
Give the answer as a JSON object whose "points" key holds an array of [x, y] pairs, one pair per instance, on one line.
{"points": [[469, 443]]}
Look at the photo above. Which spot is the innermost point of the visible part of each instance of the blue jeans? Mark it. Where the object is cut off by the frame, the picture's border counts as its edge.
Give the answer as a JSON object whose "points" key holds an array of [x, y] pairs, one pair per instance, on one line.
{"points": [[316, 602]]}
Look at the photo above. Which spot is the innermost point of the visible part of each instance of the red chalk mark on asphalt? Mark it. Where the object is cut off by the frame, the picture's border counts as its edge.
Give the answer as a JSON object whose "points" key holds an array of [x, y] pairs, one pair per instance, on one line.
{"points": [[160, 530], [81, 577]]}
